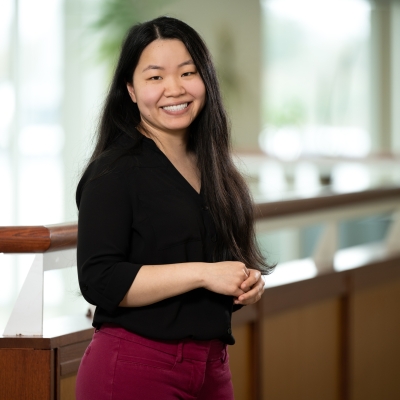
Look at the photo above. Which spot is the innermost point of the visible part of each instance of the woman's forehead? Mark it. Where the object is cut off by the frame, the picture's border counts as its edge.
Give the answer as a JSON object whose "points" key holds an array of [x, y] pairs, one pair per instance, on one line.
{"points": [[164, 53]]}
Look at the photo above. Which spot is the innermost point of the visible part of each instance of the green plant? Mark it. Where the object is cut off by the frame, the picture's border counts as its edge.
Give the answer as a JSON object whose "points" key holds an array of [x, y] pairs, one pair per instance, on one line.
{"points": [[290, 113], [115, 17]]}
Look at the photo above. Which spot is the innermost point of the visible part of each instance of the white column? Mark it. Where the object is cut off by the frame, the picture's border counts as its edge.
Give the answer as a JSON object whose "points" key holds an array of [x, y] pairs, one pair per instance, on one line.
{"points": [[85, 85], [381, 76], [395, 25], [72, 106]]}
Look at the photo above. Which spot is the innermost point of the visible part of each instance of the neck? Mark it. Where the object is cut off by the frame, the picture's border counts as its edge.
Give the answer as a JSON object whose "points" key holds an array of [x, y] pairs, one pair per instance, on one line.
{"points": [[170, 143]]}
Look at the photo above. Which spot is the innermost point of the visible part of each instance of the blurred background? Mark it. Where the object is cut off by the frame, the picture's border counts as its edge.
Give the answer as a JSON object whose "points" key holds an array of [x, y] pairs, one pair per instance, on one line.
{"points": [[312, 88]]}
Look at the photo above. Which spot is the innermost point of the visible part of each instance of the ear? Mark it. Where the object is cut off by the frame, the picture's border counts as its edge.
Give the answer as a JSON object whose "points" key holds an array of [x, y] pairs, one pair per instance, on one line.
{"points": [[131, 91]]}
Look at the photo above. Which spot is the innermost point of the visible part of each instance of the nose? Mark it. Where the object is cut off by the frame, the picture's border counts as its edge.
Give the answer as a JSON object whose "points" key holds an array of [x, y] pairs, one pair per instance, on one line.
{"points": [[173, 87]]}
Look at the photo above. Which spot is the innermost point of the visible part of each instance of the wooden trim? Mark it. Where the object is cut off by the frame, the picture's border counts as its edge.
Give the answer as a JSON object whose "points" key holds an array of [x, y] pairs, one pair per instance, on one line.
{"points": [[256, 353], [62, 236], [379, 272], [53, 372], [70, 367], [70, 357], [43, 343], [250, 315], [301, 293], [345, 338], [58, 332], [372, 158], [57, 376], [24, 239], [37, 239], [325, 200]]}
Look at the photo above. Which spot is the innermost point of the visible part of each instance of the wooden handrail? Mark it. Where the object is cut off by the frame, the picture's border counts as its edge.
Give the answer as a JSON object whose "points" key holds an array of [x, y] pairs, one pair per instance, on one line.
{"points": [[40, 239], [37, 239], [324, 201], [62, 236]]}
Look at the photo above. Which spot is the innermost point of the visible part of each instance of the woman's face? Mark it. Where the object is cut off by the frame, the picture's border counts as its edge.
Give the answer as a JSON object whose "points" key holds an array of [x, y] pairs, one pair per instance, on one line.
{"points": [[167, 87]]}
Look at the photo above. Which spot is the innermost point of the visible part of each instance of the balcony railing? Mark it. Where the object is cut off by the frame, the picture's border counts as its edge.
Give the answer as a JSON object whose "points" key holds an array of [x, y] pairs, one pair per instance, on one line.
{"points": [[329, 273]]}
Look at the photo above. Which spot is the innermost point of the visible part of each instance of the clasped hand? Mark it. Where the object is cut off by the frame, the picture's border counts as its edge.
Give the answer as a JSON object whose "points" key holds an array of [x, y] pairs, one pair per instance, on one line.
{"points": [[235, 279]]}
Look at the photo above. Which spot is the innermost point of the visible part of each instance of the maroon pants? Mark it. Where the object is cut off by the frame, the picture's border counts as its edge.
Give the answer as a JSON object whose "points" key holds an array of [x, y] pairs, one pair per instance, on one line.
{"points": [[120, 365]]}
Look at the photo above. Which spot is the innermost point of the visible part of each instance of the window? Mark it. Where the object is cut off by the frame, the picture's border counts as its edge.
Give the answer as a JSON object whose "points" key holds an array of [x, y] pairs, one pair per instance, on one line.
{"points": [[31, 137], [316, 78], [31, 142]]}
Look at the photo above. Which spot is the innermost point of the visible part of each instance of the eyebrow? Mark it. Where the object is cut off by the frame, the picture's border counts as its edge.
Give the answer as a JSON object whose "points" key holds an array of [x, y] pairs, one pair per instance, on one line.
{"points": [[188, 62]]}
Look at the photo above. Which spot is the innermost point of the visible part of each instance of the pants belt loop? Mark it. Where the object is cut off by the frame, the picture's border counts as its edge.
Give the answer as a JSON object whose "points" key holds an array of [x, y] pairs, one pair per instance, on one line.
{"points": [[179, 355]]}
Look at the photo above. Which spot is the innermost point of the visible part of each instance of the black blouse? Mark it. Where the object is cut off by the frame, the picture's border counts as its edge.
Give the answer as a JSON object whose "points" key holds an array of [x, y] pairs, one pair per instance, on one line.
{"points": [[144, 212]]}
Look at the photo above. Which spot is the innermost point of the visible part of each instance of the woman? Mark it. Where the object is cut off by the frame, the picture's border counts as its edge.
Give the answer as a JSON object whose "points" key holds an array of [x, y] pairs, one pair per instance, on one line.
{"points": [[166, 247]]}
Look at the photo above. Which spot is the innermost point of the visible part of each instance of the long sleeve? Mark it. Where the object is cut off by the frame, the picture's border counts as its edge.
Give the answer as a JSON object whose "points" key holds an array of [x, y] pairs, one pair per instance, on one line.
{"points": [[104, 238]]}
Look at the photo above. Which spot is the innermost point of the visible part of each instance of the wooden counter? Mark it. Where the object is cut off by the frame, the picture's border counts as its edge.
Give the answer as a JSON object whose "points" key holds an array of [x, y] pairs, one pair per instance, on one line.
{"points": [[44, 368]]}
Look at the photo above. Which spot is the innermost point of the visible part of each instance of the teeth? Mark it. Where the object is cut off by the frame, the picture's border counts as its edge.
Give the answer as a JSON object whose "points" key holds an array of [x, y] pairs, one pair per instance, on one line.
{"points": [[178, 107]]}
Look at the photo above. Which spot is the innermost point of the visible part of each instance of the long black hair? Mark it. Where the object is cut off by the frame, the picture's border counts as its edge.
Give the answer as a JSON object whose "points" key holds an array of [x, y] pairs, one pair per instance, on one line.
{"points": [[224, 189]]}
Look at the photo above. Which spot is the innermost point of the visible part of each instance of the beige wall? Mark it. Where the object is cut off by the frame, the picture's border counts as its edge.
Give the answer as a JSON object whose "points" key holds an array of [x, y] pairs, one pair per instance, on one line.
{"points": [[232, 31], [395, 26], [385, 76]]}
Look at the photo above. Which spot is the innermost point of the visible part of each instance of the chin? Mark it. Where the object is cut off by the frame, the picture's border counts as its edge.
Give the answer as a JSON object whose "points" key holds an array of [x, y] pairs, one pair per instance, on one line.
{"points": [[177, 128]]}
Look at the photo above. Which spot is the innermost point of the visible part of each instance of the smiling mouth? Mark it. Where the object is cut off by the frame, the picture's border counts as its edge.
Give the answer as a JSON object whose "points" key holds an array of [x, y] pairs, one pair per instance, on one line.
{"points": [[178, 107]]}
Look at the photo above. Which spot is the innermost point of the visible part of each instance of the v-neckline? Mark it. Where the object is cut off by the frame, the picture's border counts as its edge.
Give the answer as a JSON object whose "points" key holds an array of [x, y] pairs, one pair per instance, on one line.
{"points": [[177, 172], [198, 193]]}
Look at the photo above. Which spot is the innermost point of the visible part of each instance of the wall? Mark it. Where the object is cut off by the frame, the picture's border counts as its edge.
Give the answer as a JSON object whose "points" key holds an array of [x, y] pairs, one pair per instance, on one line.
{"points": [[232, 31]]}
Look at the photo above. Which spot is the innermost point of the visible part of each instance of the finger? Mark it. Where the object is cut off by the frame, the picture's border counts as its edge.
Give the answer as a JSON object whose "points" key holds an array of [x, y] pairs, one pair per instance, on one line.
{"points": [[237, 293], [248, 301], [245, 289], [254, 277], [254, 291], [252, 296]]}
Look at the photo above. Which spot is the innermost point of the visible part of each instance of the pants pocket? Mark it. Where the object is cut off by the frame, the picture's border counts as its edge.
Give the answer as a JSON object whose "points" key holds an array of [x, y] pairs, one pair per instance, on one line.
{"points": [[140, 355]]}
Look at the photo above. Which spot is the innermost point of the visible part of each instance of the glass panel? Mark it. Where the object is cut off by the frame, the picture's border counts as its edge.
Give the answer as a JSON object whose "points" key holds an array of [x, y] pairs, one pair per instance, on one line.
{"points": [[363, 230], [280, 245]]}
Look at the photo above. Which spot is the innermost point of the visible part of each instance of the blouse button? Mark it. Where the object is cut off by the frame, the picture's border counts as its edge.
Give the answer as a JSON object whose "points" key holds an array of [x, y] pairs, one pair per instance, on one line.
{"points": [[229, 331]]}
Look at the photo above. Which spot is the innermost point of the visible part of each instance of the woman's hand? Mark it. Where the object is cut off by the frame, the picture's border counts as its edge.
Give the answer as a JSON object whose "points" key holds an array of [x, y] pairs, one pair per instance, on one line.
{"points": [[154, 283], [253, 288], [226, 277]]}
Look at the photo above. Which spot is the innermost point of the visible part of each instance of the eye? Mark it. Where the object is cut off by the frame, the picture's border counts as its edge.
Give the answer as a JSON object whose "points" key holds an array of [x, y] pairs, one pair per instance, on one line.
{"points": [[189, 73], [155, 78]]}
